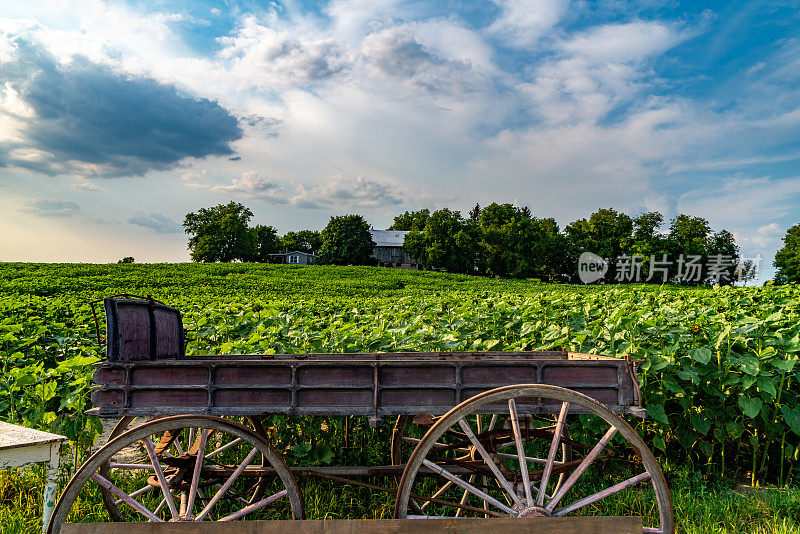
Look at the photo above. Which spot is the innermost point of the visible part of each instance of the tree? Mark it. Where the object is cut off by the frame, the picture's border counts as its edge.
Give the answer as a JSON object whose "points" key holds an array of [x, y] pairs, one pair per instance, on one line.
{"points": [[267, 242], [411, 220], [507, 234], [787, 259], [606, 233], [687, 242], [474, 213], [220, 233], [689, 235], [346, 241], [723, 258], [447, 242], [648, 243], [645, 232], [126, 259], [304, 241]]}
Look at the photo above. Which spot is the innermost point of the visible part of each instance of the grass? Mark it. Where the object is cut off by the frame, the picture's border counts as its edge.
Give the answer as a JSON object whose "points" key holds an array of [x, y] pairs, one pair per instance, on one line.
{"points": [[701, 507]]}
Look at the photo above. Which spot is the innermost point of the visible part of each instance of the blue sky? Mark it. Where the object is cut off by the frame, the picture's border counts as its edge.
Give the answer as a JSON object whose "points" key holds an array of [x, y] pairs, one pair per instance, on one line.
{"points": [[118, 118]]}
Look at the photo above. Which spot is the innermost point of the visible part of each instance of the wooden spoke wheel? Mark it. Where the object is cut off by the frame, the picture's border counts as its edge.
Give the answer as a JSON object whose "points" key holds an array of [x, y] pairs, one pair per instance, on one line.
{"points": [[194, 468], [491, 428], [183, 441], [514, 472]]}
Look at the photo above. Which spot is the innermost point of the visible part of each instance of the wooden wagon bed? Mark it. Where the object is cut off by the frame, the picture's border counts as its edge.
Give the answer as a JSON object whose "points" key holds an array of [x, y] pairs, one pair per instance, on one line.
{"points": [[377, 385]]}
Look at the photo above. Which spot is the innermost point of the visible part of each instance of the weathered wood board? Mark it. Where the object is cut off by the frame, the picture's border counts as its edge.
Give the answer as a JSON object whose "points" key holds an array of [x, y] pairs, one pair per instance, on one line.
{"points": [[570, 525]]}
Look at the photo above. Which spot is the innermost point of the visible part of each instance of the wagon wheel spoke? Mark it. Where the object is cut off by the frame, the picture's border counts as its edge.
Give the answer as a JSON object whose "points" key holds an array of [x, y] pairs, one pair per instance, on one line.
{"points": [[501, 479], [224, 448], [529, 459], [436, 494], [467, 486], [228, 483], [162, 481], [124, 497], [582, 467], [526, 482], [198, 467], [551, 455], [464, 497], [616, 488], [136, 493]]}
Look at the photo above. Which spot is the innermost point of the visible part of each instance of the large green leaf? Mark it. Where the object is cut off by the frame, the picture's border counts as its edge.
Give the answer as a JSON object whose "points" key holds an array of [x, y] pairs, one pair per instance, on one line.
{"points": [[750, 406], [792, 417], [701, 354]]}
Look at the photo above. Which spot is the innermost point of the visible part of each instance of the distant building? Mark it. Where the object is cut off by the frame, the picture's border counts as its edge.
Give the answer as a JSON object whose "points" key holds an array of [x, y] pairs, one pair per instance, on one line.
{"points": [[293, 258], [389, 249]]}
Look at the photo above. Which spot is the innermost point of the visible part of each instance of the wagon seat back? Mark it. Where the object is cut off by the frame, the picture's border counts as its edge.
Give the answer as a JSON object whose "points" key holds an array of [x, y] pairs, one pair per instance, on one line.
{"points": [[142, 329]]}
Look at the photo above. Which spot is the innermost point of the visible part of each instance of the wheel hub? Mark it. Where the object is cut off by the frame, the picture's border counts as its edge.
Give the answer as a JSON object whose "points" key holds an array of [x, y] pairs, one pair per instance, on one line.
{"points": [[534, 511]]}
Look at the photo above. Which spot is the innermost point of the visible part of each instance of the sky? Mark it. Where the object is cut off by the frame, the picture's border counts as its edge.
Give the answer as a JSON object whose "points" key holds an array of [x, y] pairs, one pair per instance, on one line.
{"points": [[119, 118]]}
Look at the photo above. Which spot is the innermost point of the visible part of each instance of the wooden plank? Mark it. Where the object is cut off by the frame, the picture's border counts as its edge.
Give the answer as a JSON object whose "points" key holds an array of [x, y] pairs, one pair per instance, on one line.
{"points": [[541, 525], [14, 436]]}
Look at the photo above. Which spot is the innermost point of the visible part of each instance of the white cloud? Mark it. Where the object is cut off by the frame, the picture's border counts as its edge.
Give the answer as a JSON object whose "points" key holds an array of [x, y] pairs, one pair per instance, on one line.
{"points": [[253, 185], [271, 59], [336, 192], [155, 222], [743, 202], [84, 186], [396, 53], [764, 236], [622, 43], [51, 207], [523, 23]]}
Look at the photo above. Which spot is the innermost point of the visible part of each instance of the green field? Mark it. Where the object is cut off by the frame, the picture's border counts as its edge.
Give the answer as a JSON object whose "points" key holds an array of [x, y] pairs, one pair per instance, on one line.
{"points": [[719, 376]]}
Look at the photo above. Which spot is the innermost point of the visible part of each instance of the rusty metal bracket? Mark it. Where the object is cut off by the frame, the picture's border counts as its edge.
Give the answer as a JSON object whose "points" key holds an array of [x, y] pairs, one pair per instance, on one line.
{"points": [[637, 394]]}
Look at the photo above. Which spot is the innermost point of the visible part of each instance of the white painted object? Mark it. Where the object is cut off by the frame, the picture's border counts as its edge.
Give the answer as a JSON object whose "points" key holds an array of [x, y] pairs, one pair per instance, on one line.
{"points": [[20, 447]]}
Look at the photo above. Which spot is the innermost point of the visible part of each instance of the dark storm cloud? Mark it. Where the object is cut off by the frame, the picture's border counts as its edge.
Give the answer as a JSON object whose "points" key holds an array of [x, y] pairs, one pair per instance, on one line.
{"points": [[92, 120]]}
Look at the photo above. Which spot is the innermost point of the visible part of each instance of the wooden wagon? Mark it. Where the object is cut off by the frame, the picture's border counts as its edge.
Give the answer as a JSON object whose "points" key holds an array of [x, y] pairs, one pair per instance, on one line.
{"points": [[476, 434]]}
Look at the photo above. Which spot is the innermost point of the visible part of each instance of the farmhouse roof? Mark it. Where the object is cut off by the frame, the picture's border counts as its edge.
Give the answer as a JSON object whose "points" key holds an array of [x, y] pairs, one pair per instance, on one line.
{"points": [[388, 238]]}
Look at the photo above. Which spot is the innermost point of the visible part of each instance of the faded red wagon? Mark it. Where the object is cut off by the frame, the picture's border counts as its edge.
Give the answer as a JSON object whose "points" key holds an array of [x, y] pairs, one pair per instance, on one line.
{"points": [[476, 434]]}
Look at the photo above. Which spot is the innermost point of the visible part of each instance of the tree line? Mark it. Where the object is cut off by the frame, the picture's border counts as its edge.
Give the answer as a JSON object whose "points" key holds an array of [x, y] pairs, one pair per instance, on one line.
{"points": [[223, 233], [509, 241], [503, 240]]}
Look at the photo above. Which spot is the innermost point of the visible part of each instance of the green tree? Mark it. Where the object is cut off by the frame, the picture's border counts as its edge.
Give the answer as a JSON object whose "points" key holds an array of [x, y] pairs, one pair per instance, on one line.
{"points": [[267, 242], [474, 213], [126, 259], [504, 233], [447, 242], [606, 233], [550, 259], [688, 238], [304, 241], [220, 233], [515, 243], [649, 243], [787, 259], [723, 258], [346, 241], [689, 235], [411, 220]]}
